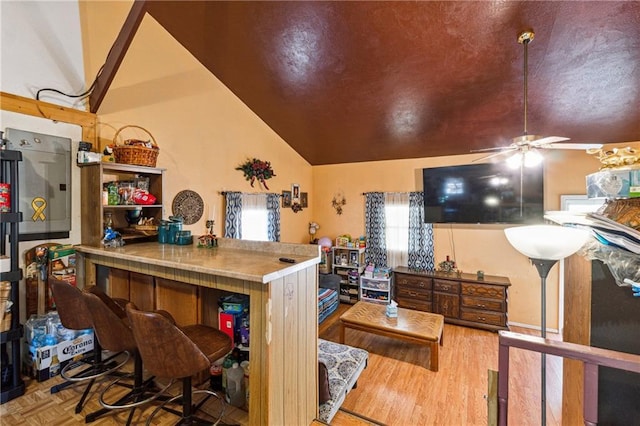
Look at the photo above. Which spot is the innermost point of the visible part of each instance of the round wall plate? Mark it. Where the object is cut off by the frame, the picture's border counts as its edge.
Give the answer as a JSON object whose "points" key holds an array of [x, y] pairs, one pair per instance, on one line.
{"points": [[189, 205]]}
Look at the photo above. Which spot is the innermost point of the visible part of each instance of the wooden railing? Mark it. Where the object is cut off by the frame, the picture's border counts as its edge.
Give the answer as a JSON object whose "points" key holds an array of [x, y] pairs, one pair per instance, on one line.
{"points": [[590, 356]]}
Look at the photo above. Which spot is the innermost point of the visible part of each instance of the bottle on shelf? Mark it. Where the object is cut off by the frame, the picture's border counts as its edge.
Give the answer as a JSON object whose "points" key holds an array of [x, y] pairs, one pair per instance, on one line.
{"points": [[236, 395]]}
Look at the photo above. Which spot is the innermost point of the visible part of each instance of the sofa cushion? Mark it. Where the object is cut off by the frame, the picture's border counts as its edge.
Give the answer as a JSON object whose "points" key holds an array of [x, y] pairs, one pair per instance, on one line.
{"points": [[344, 364]]}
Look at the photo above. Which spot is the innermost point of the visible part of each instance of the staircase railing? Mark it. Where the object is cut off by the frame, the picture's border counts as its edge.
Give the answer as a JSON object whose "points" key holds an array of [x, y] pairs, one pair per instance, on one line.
{"points": [[590, 356]]}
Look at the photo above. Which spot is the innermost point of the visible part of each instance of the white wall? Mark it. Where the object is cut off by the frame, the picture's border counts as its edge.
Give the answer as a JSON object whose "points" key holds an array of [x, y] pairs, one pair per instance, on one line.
{"points": [[42, 47]]}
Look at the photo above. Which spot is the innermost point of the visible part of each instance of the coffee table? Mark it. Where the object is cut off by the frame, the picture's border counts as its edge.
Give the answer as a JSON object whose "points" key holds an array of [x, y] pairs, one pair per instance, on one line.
{"points": [[412, 326]]}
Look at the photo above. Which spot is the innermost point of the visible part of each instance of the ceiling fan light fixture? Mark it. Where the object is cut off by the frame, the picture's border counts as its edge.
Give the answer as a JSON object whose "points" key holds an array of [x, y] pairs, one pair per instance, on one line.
{"points": [[532, 158], [514, 161]]}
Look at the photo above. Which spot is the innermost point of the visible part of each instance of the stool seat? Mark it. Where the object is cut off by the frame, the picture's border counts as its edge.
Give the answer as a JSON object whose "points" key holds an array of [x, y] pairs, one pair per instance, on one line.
{"points": [[211, 341], [180, 353]]}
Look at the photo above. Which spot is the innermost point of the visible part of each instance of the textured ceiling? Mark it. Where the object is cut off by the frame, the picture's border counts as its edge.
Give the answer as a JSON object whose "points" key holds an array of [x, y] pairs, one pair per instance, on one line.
{"points": [[360, 81]]}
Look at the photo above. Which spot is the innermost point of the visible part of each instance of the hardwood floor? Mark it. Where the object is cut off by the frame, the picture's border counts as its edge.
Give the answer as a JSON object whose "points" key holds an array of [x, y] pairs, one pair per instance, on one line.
{"points": [[396, 388]]}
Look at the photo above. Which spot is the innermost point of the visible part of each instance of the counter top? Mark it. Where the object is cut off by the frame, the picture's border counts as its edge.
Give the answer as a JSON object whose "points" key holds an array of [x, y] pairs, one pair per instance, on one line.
{"points": [[245, 260]]}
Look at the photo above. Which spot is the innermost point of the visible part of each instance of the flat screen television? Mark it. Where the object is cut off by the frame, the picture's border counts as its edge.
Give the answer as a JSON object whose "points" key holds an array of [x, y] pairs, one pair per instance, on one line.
{"points": [[483, 193]]}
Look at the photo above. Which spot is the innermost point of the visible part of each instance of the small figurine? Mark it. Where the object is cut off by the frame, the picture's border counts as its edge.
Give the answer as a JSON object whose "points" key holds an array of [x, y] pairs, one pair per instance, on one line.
{"points": [[112, 238]]}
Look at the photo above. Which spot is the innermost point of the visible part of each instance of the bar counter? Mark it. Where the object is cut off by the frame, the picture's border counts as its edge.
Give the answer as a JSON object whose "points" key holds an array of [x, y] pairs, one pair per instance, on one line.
{"points": [[187, 281]]}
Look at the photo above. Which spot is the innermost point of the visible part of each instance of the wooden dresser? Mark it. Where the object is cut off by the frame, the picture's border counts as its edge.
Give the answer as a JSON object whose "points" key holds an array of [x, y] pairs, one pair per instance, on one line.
{"points": [[463, 300]]}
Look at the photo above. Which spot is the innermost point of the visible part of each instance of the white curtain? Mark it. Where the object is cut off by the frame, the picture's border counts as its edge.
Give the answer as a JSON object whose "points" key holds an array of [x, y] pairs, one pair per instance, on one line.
{"points": [[396, 206]]}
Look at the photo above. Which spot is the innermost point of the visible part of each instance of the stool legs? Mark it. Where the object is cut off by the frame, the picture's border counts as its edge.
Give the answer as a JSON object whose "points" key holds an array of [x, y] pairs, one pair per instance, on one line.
{"points": [[142, 392], [187, 416], [96, 368]]}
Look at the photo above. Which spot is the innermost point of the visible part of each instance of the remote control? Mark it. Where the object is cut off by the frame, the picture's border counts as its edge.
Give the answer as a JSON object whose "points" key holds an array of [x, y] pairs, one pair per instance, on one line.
{"points": [[287, 260]]}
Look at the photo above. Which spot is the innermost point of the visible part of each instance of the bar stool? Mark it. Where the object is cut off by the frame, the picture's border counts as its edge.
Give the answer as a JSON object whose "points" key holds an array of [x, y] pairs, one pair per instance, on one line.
{"points": [[74, 315], [112, 330], [178, 353]]}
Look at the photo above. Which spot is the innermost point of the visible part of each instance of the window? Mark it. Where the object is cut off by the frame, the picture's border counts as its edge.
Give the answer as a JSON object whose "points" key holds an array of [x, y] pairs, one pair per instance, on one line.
{"points": [[255, 223], [396, 211], [253, 217]]}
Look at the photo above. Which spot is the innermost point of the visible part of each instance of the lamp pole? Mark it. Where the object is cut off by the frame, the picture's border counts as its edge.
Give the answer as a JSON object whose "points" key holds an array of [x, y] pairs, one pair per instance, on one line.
{"points": [[543, 266]]}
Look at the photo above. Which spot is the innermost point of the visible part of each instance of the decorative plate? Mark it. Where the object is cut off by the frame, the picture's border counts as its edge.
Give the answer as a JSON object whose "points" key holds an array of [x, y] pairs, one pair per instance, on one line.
{"points": [[189, 205]]}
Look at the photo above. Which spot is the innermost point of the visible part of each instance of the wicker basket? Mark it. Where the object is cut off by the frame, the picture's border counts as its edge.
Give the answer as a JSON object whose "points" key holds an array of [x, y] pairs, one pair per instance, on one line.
{"points": [[134, 154]]}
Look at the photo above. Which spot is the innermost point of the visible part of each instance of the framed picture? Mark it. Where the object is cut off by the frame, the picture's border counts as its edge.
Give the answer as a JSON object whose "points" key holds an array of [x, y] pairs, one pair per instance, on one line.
{"points": [[353, 258], [295, 193], [286, 198], [304, 201]]}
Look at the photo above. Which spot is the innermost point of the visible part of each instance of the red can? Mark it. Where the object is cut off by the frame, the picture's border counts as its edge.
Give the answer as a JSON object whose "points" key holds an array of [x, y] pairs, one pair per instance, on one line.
{"points": [[5, 197]]}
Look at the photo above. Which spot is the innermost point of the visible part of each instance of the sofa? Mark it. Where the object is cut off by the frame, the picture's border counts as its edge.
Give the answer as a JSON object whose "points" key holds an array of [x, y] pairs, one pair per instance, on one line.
{"points": [[339, 367], [328, 295]]}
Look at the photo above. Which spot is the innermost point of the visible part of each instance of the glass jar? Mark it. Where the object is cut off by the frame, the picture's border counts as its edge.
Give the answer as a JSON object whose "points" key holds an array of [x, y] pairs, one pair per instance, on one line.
{"points": [[108, 220], [163, 232], [174, 226]]}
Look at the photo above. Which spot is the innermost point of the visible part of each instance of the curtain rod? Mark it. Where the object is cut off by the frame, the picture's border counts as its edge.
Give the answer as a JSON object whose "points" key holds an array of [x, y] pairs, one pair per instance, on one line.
{"points": [[250, 193], [389, 192]]}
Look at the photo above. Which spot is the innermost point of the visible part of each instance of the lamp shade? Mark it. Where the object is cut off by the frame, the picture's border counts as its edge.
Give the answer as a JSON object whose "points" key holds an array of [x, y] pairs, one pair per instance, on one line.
{"points": [[547, 242]]}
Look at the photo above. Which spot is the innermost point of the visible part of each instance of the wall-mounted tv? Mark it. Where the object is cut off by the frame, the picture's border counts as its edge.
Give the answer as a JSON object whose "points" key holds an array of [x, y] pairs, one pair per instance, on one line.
{"points": [[483, 193]]}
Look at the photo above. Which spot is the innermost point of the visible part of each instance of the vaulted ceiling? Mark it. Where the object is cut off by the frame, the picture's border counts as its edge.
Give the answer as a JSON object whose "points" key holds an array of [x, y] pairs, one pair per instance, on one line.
{"points": [[361, 81]]}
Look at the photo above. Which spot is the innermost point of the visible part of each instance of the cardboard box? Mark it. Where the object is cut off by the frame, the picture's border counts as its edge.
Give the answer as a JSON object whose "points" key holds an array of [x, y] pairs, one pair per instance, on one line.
{"points": [[226, 324], [46, 362], [62, 262]]}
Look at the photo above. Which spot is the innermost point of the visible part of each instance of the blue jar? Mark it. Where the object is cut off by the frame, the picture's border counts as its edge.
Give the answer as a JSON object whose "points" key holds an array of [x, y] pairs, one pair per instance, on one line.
{"points": [[163, 232], [174, 226]]}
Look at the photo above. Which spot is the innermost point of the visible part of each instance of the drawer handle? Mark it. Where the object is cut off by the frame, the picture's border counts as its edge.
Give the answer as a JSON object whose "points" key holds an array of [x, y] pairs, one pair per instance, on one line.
{"points": [[421, 285], [413, 293], [482, 319], [481, 305]]}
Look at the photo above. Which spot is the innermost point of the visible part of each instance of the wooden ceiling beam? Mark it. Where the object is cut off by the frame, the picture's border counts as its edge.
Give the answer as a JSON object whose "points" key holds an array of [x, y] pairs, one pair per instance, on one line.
{"points": [[117, 53]]}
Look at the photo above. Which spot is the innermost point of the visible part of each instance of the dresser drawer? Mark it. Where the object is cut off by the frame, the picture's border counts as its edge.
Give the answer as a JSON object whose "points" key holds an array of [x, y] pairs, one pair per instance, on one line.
{"points": [[414, 293], [415, 304], [484, 317], [484, 304], [484, 290], [444, 286], [413, 281]]}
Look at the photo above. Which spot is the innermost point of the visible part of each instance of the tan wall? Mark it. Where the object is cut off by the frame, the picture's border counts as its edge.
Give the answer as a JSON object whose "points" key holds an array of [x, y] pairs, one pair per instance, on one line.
{"points": [[476, 246], [204, 131]]}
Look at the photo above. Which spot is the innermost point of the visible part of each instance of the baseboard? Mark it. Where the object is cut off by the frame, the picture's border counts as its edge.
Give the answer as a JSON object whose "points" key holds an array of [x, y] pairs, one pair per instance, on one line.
{"points": [[533, 327]]}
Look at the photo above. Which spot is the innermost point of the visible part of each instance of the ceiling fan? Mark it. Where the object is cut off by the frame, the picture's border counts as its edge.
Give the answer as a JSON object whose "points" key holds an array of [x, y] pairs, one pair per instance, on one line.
{"points": [[526, 146]]}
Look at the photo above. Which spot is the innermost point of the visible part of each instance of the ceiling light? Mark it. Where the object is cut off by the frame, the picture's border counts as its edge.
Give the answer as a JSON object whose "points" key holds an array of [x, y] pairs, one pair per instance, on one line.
{"points": [[532, 158], [515, 160]]}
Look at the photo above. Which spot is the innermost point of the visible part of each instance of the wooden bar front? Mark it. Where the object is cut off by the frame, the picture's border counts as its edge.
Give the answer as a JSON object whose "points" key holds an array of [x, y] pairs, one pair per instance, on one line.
{"points": [[283, 308]]}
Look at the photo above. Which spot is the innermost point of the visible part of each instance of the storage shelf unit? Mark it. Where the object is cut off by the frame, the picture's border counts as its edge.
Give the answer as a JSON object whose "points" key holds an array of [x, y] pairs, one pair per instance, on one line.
{"points": [[12, 384], [377, 290], [349, 264], [93, 176]]}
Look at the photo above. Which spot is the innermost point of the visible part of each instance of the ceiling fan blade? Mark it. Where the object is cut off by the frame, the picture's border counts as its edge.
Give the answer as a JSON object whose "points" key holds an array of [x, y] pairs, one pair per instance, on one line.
{"points": [[580, 146], [497, 154], [497, 148], [548, 140]]}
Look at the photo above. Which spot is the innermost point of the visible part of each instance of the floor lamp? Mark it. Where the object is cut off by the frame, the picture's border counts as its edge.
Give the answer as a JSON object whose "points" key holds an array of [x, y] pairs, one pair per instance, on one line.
{"points": [[544, 245]]}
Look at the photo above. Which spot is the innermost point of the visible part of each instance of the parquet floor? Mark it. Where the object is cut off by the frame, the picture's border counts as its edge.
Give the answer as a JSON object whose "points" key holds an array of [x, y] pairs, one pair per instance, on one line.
{"points": [[395, 389]]}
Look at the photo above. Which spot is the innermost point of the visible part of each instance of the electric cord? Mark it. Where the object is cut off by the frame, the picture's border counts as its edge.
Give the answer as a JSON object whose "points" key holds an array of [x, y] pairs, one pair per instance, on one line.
{"points": [[83, 95]]}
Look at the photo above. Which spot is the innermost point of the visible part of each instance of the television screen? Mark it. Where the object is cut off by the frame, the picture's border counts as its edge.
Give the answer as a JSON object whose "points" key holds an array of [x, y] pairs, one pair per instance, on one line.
{"points": [[483, 193]]}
